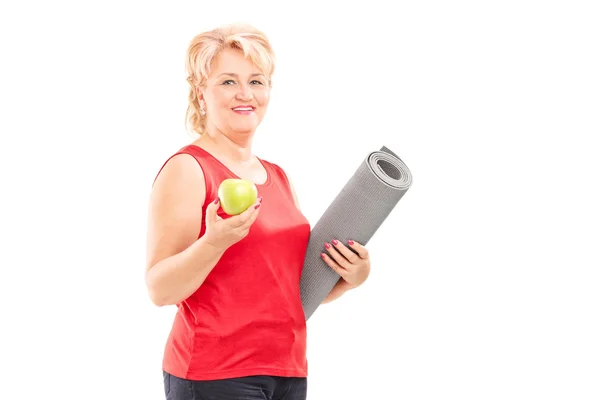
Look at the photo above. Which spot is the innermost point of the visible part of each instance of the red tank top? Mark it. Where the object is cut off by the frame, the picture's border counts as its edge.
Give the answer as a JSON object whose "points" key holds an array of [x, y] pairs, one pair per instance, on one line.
{"points": [[247, 316]]}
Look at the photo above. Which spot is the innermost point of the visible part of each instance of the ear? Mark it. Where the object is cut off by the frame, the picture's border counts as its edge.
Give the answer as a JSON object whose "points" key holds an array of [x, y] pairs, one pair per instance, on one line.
{"points": [[200, 95]]}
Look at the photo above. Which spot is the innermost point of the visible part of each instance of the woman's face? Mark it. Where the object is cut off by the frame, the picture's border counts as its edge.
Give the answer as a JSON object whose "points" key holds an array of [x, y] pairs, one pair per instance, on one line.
{"points": [[236, 94]]}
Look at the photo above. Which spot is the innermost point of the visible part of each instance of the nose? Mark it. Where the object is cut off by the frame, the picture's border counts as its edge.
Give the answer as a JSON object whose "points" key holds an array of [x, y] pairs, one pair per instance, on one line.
{"points": [[245, 93]]}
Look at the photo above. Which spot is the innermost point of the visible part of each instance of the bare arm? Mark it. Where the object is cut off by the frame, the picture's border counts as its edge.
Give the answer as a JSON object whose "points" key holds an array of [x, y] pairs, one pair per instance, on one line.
{"points": [[341, 286], [177, 261]]}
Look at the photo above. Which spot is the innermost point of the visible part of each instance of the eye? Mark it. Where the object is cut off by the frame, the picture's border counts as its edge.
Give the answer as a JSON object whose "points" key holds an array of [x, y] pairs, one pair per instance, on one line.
{"points": [[258, 82], [228, 80]]}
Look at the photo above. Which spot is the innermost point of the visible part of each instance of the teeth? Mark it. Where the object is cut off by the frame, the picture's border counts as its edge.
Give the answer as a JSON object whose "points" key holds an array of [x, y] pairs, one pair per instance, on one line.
{"points": [[243, 109]]}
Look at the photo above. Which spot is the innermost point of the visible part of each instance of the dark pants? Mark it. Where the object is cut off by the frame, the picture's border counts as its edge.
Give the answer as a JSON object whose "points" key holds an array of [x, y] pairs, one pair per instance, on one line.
{"points": [[246, 388]]}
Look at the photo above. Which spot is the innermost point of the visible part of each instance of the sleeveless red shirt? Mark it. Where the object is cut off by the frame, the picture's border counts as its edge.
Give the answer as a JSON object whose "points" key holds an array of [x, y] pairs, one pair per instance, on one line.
{"points": [[247, 316]]}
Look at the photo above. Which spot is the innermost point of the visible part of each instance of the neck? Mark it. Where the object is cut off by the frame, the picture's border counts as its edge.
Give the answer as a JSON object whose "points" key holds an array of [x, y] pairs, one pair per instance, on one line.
{"points": [[234, 146]]}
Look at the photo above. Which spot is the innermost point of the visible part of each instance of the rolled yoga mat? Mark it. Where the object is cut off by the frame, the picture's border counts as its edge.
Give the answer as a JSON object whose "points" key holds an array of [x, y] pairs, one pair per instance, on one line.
{"points": [[356, 213]]}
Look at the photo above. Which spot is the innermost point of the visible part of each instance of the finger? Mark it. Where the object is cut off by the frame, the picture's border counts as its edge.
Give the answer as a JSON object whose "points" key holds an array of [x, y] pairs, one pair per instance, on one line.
{"points": [[245, 217], [359, 248], [254, 215], [333, 253], [346, 252], [211, 211], [334, 265]]}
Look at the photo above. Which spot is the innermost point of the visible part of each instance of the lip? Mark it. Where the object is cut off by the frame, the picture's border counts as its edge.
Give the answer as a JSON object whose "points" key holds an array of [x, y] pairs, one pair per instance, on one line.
{"points": [[246, 109]]}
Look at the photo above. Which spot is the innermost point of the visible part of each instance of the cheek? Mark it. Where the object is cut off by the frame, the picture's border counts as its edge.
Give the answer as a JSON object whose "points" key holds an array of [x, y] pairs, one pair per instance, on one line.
{"points": [[219, 99], [223, 101], [263, 98]]}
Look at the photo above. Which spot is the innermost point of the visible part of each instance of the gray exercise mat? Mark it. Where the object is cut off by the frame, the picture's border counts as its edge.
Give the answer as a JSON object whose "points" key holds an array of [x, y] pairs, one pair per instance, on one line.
{"points": [[356, 213]]}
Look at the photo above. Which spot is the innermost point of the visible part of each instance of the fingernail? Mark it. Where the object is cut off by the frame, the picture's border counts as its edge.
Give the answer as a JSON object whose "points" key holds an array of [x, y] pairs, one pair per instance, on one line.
{"points": [[327, 245], [260, 199], [335, 242], [350, 242], [256, 206], [216, 200], [322, 255]]}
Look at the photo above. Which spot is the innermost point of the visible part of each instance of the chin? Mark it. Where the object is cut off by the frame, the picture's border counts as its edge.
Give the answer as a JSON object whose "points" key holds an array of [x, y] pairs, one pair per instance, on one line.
{"points": [[244, 129]]}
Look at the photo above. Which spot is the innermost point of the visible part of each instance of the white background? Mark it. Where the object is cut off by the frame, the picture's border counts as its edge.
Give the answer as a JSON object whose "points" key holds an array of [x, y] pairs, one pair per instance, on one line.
{"points": [[485, 281]]}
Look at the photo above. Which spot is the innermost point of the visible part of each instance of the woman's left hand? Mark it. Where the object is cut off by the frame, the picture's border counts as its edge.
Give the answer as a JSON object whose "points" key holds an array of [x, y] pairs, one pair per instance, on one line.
{"points": [[353, 267]]}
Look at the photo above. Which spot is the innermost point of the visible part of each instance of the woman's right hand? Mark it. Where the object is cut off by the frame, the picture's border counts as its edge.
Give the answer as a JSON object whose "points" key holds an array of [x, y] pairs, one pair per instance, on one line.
{"points": [[223, 233]]}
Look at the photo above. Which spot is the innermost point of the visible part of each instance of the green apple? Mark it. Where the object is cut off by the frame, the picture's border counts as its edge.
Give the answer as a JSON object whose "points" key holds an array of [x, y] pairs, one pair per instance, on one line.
{"points": [[236, 195]]}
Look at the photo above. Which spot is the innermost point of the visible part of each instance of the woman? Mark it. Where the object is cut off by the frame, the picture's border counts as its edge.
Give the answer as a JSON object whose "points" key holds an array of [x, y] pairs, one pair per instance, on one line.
{"points": [[240, 330]]}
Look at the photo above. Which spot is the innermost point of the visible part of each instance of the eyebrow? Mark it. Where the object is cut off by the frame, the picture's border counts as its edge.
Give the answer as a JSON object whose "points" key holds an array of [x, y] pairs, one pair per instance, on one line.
{"points": [[236, 75]]}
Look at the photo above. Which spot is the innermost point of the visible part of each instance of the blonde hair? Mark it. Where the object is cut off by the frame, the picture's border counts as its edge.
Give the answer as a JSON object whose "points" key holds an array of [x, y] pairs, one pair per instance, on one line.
{"points": [[203, 49]]}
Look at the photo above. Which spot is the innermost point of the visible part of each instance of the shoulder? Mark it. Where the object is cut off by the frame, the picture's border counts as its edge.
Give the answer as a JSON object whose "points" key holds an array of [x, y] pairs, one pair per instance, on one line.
{"points": [[284, 176], [277, 169], [186, 158], [180, 171]]}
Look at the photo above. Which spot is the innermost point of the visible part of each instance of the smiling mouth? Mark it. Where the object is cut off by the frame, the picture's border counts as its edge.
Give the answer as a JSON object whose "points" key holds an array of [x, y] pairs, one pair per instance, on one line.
{"points": [[245, 110]]}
